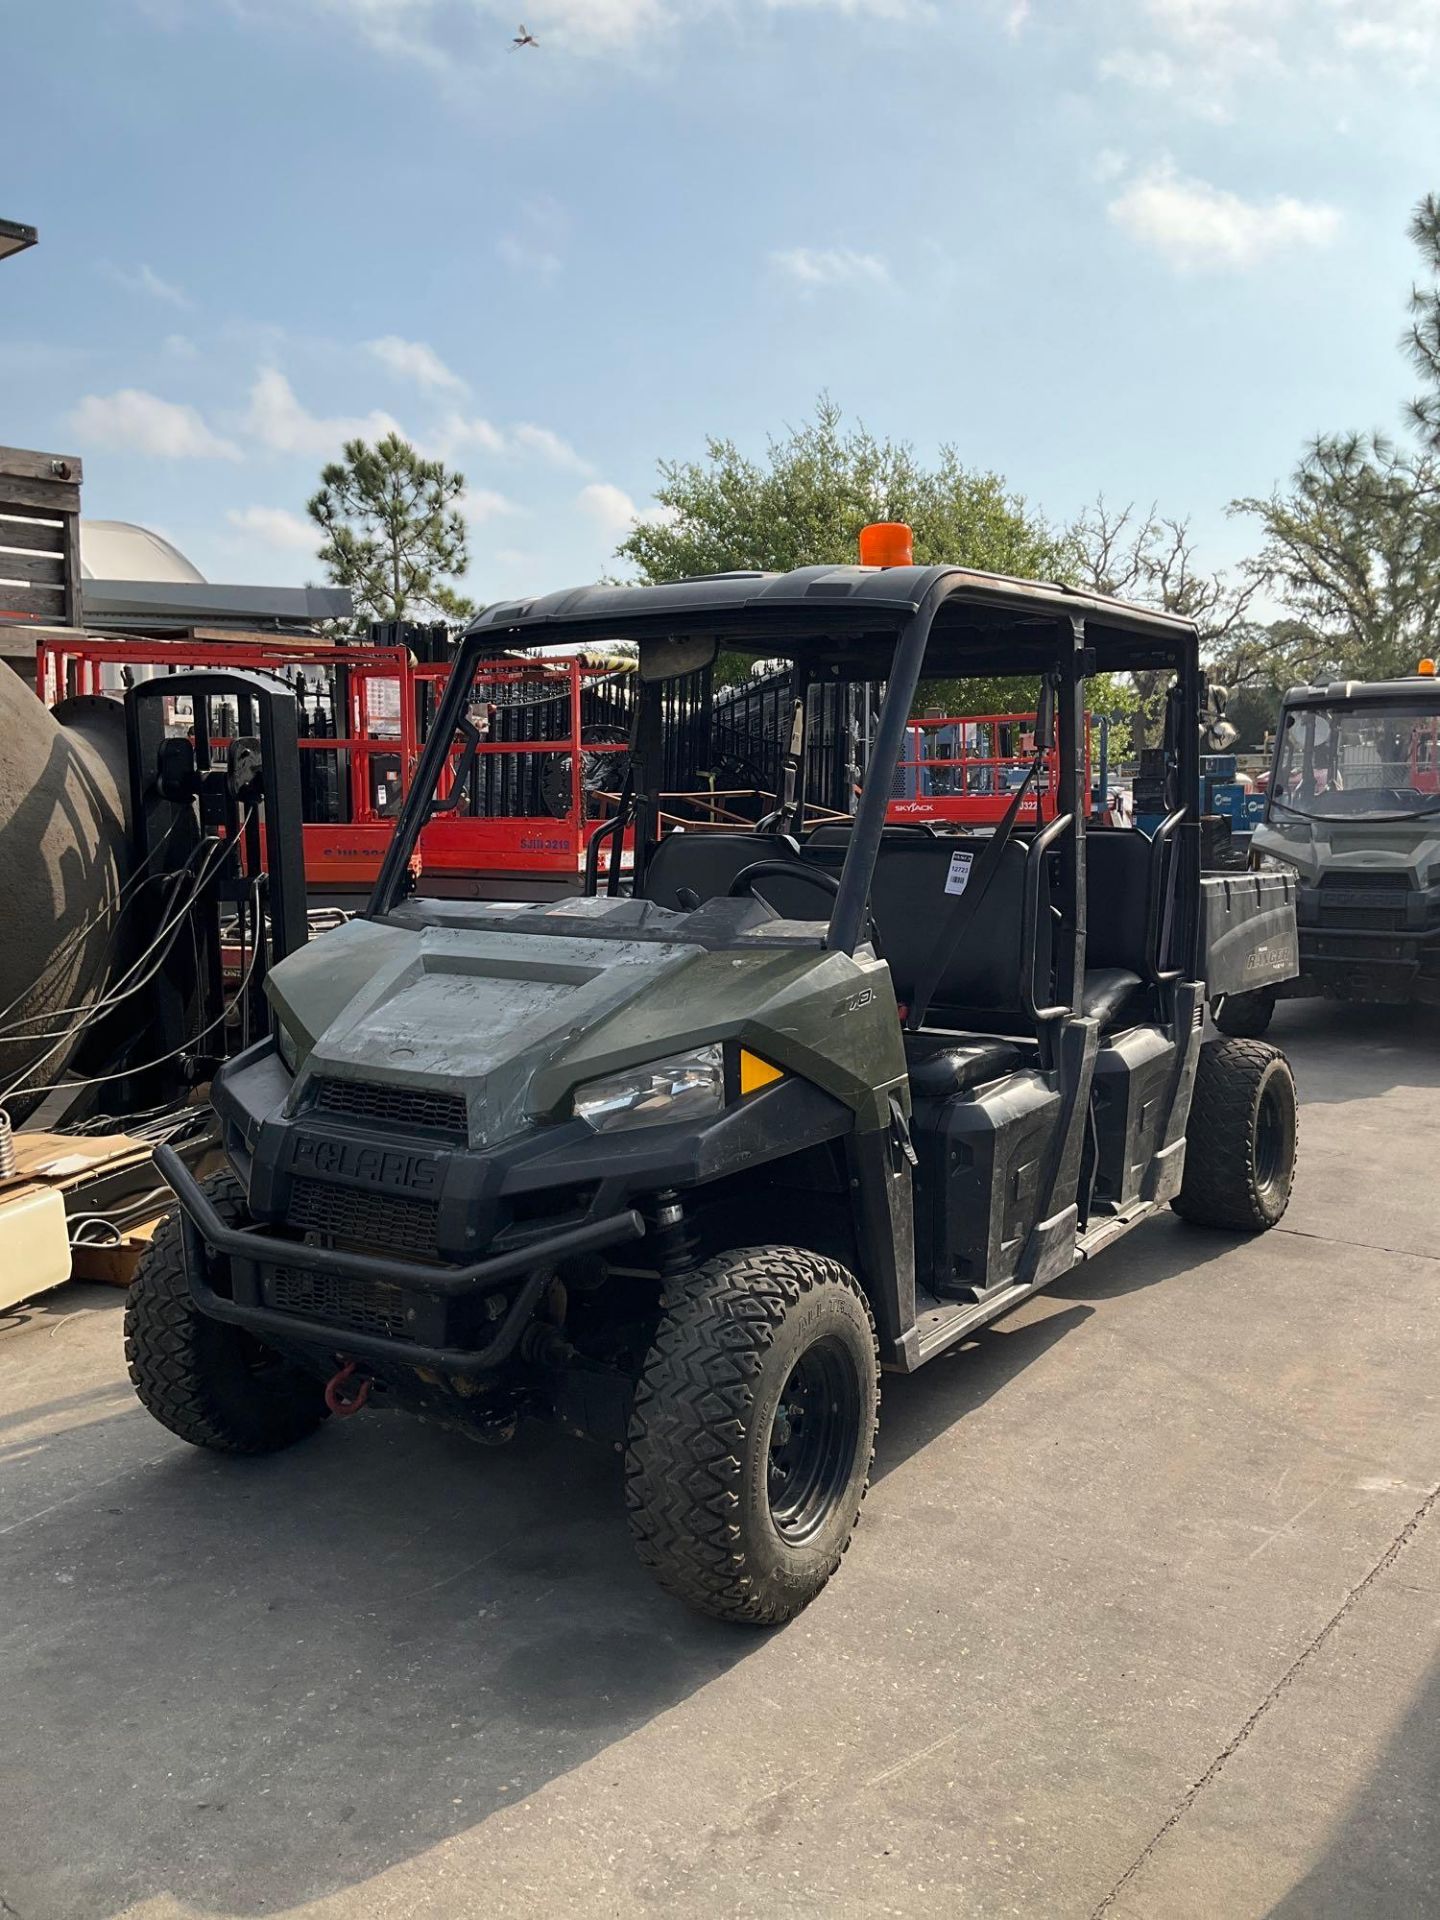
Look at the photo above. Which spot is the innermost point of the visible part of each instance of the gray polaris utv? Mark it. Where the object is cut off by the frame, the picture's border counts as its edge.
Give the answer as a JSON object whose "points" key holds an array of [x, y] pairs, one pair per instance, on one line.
{"points": [[683, 1163], [1353, 815]]}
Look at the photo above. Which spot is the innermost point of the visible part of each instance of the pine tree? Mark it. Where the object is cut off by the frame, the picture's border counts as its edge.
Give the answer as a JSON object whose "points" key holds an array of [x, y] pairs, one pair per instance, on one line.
{"points": [[393, 530]]}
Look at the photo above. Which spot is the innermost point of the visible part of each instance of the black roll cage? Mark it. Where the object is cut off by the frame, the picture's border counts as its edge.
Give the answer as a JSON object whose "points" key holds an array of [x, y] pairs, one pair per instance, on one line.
{"points": [[1004, 627]]}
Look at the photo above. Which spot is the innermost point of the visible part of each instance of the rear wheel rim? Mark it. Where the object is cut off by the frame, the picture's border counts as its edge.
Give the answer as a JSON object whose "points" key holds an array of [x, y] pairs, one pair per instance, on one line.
{"points": [[1272, 1131], [811, 1449]]}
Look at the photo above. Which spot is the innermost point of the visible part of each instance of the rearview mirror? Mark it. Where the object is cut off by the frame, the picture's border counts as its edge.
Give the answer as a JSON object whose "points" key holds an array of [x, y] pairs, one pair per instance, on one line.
{"points": [[669, 656]]}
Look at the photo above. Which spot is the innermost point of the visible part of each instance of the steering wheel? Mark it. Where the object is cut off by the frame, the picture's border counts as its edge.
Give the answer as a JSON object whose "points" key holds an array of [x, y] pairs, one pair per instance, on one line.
{"points": [[744, 882]]}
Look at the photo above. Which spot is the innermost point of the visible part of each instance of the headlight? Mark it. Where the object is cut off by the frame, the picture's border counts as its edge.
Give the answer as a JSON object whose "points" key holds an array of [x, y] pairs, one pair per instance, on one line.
{"points": [[1272, 863], [684, 1086], [285, 1046]]}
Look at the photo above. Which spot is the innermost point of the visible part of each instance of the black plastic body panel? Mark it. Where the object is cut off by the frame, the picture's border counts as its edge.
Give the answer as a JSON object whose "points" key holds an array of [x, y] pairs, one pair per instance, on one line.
{"points": [[497, 1214], [980, 1180], [1248, 935], [1133, 1075]]}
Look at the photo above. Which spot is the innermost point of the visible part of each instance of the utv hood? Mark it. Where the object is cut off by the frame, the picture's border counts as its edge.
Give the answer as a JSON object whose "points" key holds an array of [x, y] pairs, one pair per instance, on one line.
{"points": [[1403, 848], [510, 1021]]}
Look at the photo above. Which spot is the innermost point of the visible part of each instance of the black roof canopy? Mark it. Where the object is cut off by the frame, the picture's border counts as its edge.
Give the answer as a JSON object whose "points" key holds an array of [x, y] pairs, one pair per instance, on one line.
{"points": [[845, 619], [1423, 689]]}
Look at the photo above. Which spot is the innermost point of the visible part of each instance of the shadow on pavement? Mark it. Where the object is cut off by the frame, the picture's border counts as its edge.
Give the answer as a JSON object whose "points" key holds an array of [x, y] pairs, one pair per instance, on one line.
{"points": [[917, 1408], [246, 1684]]}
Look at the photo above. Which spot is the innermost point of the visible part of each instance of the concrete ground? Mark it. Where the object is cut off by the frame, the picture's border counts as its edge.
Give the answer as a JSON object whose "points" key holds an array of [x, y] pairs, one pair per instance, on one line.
{"points": [[1143, 1618]]}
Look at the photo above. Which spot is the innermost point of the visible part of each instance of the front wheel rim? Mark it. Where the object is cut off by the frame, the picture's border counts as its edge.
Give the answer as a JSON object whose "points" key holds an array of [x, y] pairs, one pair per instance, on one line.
{"points": [[1271, 1133], [812, 1441]]}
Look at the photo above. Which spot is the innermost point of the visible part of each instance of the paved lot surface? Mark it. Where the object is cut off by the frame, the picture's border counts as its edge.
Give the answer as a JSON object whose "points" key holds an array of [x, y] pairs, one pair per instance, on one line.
{"points": [[1143, 1618]]}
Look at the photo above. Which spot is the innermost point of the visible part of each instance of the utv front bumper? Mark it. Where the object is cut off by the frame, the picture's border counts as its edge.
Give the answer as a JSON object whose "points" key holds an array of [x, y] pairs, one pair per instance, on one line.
{"points": [[252, 1258]]}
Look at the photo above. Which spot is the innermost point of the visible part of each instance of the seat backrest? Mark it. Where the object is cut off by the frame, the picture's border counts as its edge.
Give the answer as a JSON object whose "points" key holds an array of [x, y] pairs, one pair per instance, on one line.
{"points": [[706, 863], [912, 909], [1117, 898]]}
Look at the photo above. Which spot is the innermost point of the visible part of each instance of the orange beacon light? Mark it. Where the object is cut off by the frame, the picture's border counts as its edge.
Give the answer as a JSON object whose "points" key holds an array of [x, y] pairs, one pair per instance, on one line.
{"points": [[886, 543]]}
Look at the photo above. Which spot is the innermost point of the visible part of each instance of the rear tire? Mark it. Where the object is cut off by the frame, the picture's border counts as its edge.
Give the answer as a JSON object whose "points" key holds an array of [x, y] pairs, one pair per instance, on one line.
{"points": [[1245, 1016], [753, 1432], [1240, 1139], [212, 1384]]}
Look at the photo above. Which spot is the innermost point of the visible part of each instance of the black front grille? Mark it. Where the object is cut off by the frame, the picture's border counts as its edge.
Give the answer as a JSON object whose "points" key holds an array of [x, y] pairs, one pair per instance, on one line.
{"points": [[1344, 880], [370, 1219], [1376, 918], [362, 1306], [404, 1109]]}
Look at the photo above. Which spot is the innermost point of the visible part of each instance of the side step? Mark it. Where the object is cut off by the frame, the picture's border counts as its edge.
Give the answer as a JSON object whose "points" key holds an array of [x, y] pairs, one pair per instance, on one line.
{"points": [[939, 1324]]}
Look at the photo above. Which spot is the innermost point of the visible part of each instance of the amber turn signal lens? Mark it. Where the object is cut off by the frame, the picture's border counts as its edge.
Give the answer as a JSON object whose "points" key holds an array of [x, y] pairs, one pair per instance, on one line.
{"points": [[1426, 666], [756, 1073]]}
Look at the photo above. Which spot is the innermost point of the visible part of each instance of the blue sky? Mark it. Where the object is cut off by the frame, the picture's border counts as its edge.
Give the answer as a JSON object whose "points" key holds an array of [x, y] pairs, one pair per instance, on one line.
{"points": [[1138, 246]]}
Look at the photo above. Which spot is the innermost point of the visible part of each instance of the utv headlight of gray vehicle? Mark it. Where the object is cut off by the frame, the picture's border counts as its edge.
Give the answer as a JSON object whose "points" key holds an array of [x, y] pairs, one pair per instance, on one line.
{"points": [[285, 1046], [683, 1086]]}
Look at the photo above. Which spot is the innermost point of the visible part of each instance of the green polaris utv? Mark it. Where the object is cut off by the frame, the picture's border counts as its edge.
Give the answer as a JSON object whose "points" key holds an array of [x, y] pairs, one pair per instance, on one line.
{"points": [[1353, 816], [682, 1164]]}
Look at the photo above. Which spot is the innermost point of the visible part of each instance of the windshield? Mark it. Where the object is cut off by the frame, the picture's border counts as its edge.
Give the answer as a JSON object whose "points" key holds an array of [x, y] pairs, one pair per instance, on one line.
{"points": [[1366, 762]]}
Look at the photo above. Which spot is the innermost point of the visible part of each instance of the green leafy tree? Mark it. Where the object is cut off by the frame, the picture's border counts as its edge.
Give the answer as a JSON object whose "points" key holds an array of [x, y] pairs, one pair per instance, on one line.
{"points": [[1353, 546], [392, 530], [805, 502]]}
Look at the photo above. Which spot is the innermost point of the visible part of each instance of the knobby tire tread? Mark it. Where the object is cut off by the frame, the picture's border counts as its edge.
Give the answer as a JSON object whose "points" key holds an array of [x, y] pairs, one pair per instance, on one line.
{"points": [[683, 1464], [170, 1349], [1218, 1188]]}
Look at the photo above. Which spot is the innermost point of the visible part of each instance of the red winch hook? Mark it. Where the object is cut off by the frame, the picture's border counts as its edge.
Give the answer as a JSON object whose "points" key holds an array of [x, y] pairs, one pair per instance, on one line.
{"points": [[341, 1404]]}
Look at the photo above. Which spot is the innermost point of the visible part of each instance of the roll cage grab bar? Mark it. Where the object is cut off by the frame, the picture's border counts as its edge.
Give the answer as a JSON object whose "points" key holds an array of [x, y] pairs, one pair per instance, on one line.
{"points": [[849, 918]]}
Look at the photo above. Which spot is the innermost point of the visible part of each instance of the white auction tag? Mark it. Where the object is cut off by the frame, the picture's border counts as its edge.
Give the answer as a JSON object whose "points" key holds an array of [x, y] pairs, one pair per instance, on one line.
{"points": [[958, 878]]}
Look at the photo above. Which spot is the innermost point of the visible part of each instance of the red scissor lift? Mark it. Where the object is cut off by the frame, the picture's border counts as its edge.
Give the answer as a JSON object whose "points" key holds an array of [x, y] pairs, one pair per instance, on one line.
{"points": [[965, 768], [548, 758], [520, 826]]}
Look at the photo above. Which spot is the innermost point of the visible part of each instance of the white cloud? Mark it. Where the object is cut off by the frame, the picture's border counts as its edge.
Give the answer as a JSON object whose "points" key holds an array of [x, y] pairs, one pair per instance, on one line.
{"points": [[454, 432], [528, 256], [1109, 164], [180, 346], [611, 508], [145, 280], [549, 447], [812, 267], [414, 360], [1404, 32], [1200, 53], [614, 512], [277, 419], [276, 527], [479, 504], [878, 9], [1196, 226], [139, 422]]}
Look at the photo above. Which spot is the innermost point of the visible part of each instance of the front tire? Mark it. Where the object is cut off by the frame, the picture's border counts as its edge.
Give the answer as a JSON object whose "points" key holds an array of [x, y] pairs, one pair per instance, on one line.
{"points": [[1245, 1016], [212, 1384], [1240, 1139], [753, 1432]]}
